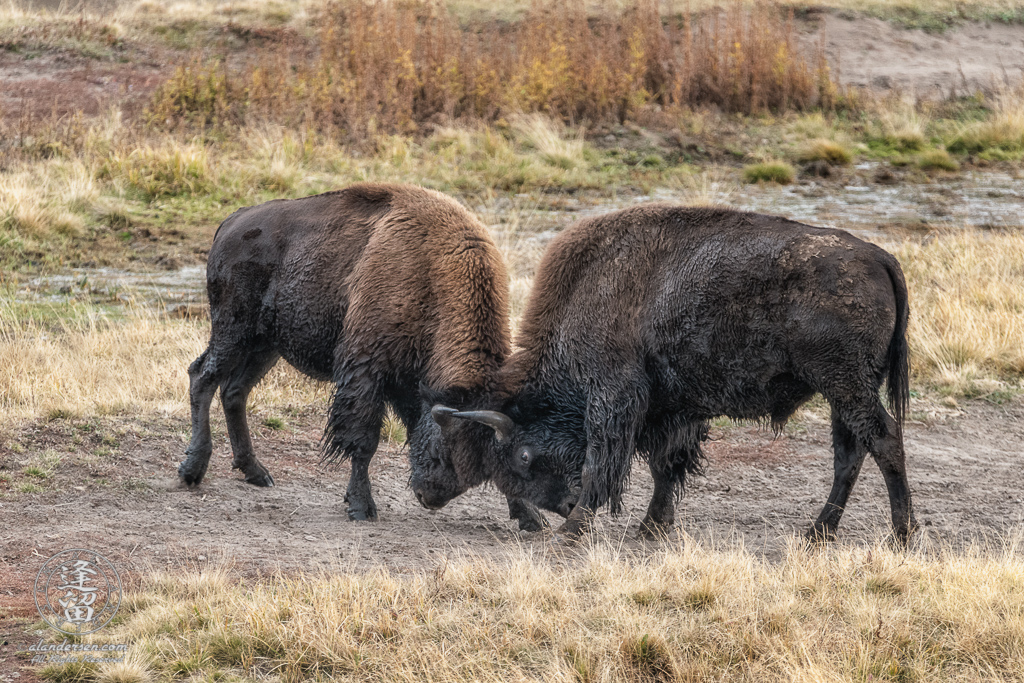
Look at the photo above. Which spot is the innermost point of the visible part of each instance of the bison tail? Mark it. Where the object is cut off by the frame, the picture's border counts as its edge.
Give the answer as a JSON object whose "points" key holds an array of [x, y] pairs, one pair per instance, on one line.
{"points": [[898, 360]]}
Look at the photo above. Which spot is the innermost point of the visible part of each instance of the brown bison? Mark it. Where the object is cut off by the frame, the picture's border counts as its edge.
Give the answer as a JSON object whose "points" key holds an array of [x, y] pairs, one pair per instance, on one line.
{"points": [[385, 290], [645, 324]]}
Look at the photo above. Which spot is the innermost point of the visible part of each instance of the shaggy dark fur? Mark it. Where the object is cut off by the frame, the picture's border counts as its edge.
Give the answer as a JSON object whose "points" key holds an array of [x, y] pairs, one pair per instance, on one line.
{"points": [[378, 288], [644, 324]]}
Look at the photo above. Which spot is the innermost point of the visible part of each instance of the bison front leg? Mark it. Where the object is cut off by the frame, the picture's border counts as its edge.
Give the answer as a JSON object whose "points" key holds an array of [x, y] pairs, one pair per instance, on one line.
{"points": [[661, 512], [613, 420], [353, 431]]}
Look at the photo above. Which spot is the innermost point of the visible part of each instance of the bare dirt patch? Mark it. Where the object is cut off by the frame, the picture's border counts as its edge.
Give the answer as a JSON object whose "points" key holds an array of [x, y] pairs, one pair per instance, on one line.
{"points": [[112, 486], [872, 53], [116, 490]]}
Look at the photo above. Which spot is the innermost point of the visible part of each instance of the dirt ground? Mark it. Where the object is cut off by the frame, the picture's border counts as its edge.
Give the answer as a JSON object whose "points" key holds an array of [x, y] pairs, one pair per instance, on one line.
{"points": [[113, 488], [116, 491]]}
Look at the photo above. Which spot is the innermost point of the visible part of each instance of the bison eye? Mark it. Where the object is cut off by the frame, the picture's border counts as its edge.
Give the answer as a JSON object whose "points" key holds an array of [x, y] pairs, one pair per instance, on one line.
{"points": [[525, 456]]}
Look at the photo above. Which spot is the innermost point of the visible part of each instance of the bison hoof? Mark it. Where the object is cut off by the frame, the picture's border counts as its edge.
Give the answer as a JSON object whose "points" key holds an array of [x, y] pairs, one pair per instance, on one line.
{"points": [[255, 473], [651, 530], [572, 531], [820, 536], [189, 474], [261, 479], [362, 514]]}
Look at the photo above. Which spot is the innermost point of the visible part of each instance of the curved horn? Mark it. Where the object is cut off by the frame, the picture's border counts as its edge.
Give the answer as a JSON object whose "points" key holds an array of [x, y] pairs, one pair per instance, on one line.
{"points": [[442, 414], [501, 423]]}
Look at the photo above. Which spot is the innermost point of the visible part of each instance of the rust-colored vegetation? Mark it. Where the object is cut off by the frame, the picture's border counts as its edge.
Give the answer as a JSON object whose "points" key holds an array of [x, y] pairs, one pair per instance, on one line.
{"points": [[380, 68]]}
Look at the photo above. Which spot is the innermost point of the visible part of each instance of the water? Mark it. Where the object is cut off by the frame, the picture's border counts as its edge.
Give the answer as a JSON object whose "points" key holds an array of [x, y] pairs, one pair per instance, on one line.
{"points": [[172, 292]]}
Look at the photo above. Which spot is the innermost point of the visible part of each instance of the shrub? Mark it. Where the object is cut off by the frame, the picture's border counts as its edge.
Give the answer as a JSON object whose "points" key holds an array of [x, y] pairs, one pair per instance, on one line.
{"points": [[384, 68], [769, 172]]}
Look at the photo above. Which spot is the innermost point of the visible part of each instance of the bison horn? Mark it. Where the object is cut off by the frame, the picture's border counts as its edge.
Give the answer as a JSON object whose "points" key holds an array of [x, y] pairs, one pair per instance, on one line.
{"points": [[501, 423], [442, 414]]}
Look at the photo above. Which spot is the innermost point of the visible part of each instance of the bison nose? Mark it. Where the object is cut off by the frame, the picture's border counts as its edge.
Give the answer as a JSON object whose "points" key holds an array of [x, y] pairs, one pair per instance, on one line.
{"points": [[419, 497]]}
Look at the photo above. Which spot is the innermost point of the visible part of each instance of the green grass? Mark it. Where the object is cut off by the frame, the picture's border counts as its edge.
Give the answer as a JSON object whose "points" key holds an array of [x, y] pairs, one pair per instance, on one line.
{"points": [[36, 472], [274, 423]]}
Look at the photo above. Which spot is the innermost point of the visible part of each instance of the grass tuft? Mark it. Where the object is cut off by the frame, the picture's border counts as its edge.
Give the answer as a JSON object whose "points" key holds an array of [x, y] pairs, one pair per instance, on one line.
{"points": [[829, 151], [648, 658], [1001, 136], [937, 160], [274, 423], [166, 171], [769, 172]]}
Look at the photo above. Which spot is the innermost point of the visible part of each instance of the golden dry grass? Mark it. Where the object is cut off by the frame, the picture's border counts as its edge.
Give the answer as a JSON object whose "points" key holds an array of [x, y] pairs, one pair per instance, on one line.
{"points": [[966, 332], [691, 611], [967, 309], [94, 366]]}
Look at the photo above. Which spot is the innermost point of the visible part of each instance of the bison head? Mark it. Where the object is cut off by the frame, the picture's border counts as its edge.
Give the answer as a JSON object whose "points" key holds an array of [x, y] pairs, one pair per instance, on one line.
{"points": [[535, 459], [445, 462]]}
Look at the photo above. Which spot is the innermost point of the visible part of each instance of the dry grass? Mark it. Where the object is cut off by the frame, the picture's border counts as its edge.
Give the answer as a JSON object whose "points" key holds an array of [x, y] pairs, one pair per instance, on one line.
{"points": [[769, 172], [690, 612], [967, 304], [825, 150], [966, 331], [94, 366], [999, 137]]}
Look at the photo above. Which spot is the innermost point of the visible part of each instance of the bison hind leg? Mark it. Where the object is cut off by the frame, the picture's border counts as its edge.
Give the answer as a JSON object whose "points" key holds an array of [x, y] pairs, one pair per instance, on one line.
{"points": [[848, 456], [204, 375], [234, 393], [858, 428]]}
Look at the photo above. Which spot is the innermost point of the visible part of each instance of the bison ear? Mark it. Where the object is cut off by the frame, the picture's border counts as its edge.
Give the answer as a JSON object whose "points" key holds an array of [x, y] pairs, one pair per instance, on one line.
{"points": [[501, 423], [442, 414]]}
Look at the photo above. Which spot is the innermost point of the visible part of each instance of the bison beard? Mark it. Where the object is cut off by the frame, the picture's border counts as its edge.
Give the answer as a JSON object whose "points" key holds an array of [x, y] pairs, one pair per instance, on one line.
{"points": [[645, 324], [386, 290]]}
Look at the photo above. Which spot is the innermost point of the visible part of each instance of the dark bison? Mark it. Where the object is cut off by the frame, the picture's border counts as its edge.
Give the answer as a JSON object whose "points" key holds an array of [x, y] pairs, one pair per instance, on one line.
{"points": [[646, 323], [385, 290]]}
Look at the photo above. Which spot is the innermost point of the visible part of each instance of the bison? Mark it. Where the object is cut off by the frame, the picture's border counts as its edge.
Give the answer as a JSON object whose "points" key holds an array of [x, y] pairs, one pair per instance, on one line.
{"points": [[644, 324], [388, 291]]}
